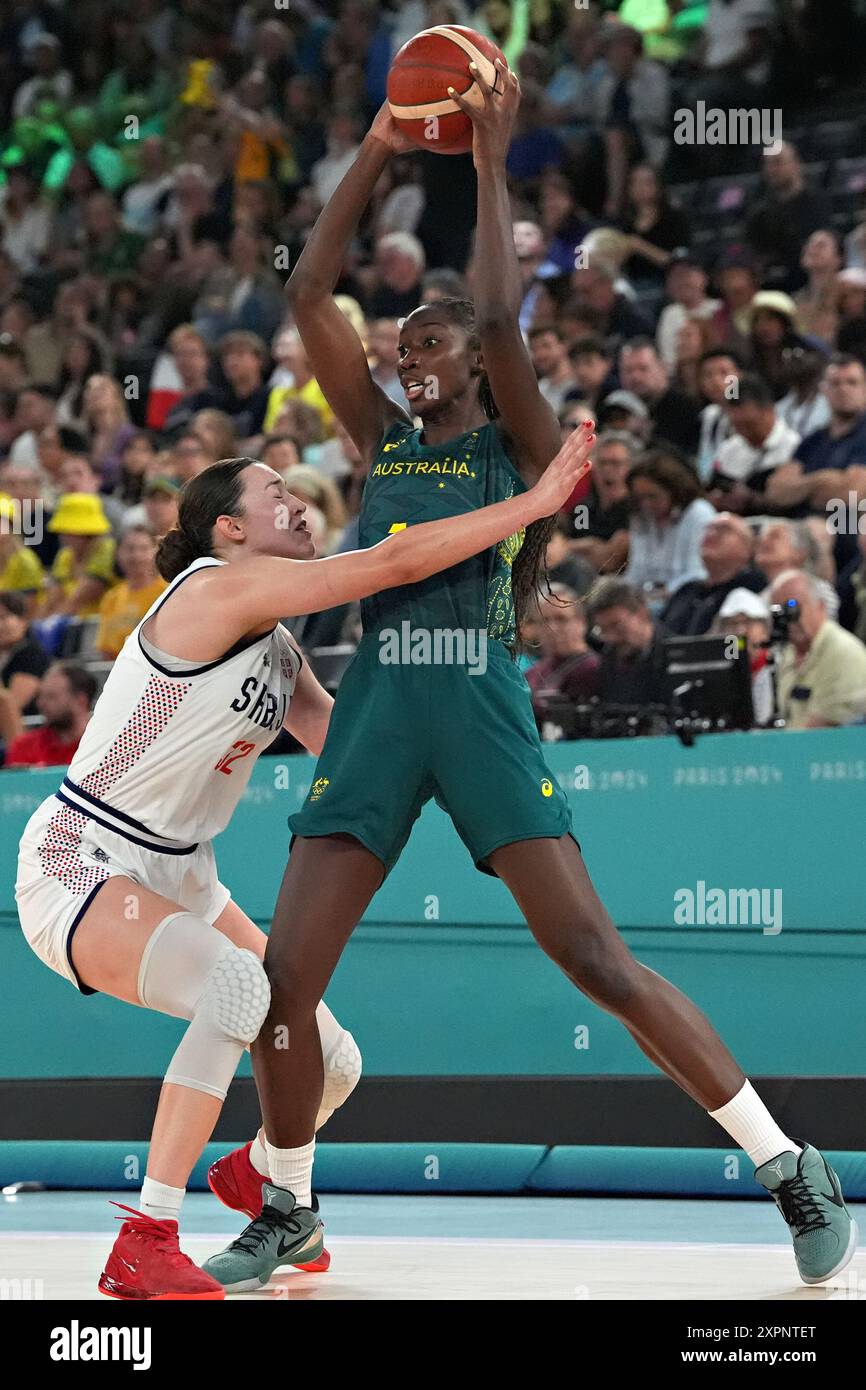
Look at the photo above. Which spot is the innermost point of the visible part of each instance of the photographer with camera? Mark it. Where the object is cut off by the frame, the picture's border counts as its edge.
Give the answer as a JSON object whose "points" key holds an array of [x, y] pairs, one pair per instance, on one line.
{"points": [[822, 672]]}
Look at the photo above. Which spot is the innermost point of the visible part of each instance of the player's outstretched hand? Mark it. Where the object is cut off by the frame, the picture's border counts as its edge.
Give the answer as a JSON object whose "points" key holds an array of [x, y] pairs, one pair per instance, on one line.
{"points": [[493, 121], [386, 129], [563, 474]]}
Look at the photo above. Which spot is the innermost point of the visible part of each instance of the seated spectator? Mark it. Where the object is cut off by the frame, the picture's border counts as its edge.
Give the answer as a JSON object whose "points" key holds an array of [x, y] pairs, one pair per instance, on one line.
{"points": [[567, 667], [65, 701], [25, 218], [615, 316], [735, 54], [83, 358], [737, 280], [692, 342], [791, 545], [675, 418], [399, 262], [84, 568], [631, 106], [786, 216], [535, 144], [805, 407], [50, 80], [623, 410], [216, 431], [592, 365], [832, 461], [243, 358], [303, 386], [822, 674], [669, 518], [108, 427], [159, 505], [383, 340], [564, 224], [23, 663], [718, 376], [601, 536], [180, 376], [747, 615], [242, 297], [137, 459], [124, 606], [571, 90], [631, 661], [21, 570], [817, 302], [773, 337], [760, 443], [189, 457], [54, 445], [687, 293], [851, 301], [655, 228], [281, 452], [342, 135], [727, 551], [552, 364], [26, 487], [34, 409]]}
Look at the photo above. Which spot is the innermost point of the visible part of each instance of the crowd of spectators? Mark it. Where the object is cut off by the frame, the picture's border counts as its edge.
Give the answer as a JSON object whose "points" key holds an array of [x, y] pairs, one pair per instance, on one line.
{"points": [[160, 168]]}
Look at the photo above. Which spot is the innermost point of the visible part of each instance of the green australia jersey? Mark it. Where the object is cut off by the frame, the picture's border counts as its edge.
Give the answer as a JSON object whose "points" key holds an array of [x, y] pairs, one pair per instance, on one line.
{"points": [[411, 482]]}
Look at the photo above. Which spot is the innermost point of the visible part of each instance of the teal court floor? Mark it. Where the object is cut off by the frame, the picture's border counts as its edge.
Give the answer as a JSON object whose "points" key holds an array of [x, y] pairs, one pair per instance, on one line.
{"points": [[53, 1246]]}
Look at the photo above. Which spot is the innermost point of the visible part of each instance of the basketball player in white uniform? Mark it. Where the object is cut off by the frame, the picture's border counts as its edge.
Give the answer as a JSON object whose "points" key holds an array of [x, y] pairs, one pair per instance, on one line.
{"points": [[117, 886]]}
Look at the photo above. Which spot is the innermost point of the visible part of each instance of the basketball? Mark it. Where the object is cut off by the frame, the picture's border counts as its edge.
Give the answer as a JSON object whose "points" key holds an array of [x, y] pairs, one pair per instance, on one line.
{"points": [[418, 83]]}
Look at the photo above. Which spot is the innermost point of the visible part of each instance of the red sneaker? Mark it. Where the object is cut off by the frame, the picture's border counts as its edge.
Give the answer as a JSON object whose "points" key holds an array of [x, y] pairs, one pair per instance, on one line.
{"points": [[234, 1180], [146, 1262]]}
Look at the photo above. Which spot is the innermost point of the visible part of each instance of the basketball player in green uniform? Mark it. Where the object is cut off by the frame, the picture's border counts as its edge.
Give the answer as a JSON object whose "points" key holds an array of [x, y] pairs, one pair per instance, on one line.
{"points": [[405, 728]]}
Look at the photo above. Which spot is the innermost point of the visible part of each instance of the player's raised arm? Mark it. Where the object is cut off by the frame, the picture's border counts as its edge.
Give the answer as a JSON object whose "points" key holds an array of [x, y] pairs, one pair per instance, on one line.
{"points": [[266, 587], [497, 288], [335, 351]]}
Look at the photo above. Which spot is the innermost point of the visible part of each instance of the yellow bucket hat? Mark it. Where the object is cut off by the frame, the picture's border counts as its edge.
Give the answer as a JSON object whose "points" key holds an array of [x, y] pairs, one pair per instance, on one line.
{"points": [[79, 514], [8, 509]]}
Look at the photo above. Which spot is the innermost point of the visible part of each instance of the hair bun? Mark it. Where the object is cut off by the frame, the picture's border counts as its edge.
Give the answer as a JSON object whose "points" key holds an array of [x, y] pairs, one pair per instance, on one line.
{"points": [[175, 553]]}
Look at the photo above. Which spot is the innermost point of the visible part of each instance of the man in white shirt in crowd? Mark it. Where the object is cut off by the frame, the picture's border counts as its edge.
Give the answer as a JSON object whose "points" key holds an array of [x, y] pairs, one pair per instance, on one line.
{"points": [[759, 444]]}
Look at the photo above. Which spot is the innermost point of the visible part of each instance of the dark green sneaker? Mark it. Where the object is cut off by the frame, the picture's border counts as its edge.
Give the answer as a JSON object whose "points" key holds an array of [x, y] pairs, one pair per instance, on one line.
{"points": [[806, 1190], [284, 1234]]}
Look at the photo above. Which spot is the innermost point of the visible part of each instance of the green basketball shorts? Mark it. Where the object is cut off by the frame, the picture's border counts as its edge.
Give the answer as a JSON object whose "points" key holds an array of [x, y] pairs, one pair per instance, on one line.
{"points": [[403, 733]]}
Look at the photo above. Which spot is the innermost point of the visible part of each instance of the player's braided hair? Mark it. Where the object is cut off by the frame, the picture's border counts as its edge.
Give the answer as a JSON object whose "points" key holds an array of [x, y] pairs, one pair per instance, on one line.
{"points": [[218, 491], [529, 573]]}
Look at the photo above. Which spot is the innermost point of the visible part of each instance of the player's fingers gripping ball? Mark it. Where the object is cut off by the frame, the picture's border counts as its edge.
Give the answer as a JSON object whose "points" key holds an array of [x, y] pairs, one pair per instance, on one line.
{"points": [[420, 76]]}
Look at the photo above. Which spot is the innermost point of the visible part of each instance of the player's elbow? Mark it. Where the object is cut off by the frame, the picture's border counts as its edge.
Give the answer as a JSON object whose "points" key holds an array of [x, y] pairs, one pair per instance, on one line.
{"points": [[498, 318], [399, 563]]}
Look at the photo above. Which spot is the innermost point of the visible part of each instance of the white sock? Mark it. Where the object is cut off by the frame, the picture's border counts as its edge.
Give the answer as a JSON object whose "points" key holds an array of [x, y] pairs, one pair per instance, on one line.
{"points": [[750, 1124], [160, 1201], [293, 1169], [258, 1156]]}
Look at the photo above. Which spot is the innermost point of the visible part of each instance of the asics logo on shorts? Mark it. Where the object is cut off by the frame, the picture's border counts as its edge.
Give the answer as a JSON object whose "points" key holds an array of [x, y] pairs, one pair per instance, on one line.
{"points": [[547, 787]]}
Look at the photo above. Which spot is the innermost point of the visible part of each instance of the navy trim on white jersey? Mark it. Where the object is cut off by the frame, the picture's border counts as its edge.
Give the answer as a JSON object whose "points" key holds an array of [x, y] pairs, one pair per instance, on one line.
{"points": [[117, 821], [241, 646]]}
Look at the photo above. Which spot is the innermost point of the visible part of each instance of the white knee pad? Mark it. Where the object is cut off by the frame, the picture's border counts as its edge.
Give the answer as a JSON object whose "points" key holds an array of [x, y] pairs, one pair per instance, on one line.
{"points": [[342, 1071], [190, 970]]}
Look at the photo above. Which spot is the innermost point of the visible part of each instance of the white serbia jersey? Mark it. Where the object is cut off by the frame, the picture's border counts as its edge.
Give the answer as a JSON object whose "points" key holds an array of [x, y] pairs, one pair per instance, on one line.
{"points": [[169, 751]]}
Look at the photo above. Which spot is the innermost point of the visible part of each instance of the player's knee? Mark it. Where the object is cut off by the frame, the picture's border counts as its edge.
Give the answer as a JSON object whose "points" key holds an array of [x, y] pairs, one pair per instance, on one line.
{"points": [[604, 974], [342, 1071], [238, 995], [290, 990]]}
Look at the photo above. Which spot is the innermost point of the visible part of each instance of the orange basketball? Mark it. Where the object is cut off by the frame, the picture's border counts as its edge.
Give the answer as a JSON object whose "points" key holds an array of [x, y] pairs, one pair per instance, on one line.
{"points": [[418, 83]]}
